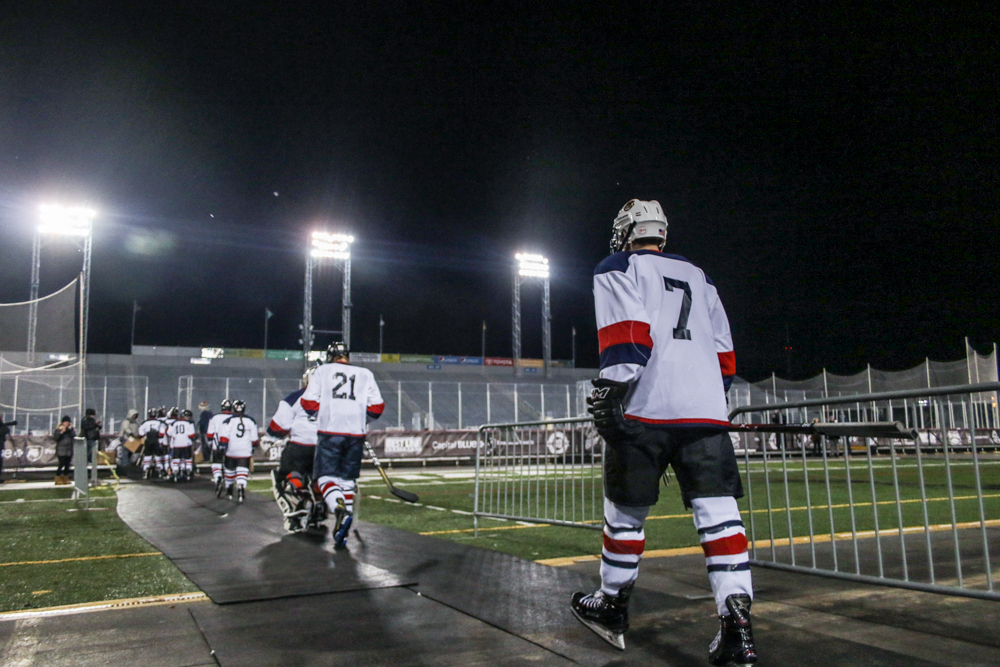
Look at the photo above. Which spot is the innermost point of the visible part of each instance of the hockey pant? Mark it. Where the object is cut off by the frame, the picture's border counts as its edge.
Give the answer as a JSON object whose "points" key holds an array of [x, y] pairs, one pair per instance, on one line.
{"points": [[720, 530], [237, 470]]}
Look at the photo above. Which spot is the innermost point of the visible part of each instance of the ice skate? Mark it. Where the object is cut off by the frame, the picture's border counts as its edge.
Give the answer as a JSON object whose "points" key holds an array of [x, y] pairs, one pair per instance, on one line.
{"points": [[229, 492], [734, 643], [241, 494], [606, 615], [342, 524], [220, 486], [296, 522]]}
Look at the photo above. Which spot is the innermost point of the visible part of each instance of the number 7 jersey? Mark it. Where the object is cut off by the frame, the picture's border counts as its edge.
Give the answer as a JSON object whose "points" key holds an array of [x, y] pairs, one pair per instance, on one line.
{"points": [[662, 328], [345, 397]]}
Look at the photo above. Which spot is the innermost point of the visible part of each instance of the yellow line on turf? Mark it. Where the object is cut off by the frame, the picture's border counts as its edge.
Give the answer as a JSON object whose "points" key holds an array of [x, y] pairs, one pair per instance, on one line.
{"points": [[106, 605], [70, 560], [481, 530], [783, 542]]}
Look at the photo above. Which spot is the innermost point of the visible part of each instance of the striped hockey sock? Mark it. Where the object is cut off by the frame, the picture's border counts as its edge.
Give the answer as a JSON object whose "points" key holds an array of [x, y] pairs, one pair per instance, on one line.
{"points": [[348, 487], [624, 542], [331, 492], [147, 463], [175, 466], [241, 477], [216, 471], [188, 466], [724, 541], [230, 477]]}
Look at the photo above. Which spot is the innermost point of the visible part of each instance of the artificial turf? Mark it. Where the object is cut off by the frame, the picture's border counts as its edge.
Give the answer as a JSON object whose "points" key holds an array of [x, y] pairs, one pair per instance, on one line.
{"points": [[47, 525], [670, 525]]}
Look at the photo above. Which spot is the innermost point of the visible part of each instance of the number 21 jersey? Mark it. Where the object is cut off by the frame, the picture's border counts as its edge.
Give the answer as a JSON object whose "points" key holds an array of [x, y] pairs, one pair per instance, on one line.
{"points": [[662, 328], [345, 396]]}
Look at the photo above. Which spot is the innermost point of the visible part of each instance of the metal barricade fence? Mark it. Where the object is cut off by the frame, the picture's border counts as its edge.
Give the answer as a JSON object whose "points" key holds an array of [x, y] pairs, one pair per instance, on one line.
{"points": [[911, 514], [542, 472]]}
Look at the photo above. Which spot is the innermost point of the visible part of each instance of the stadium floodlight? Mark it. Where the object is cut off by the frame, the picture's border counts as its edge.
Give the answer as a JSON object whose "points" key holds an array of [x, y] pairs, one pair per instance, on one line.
{"points": [[528, 266], [532, 266], [57, 220], [325, 245], [65, 220], [331, 246]]}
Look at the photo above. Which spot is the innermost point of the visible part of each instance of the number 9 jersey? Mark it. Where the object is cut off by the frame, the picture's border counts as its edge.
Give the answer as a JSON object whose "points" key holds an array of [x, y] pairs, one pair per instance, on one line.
{"points": [[345, 397], [662, 328]]}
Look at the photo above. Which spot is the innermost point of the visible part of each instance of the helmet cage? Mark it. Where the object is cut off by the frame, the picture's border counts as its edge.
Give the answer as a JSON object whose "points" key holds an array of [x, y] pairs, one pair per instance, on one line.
{"points": [[637, 212]]}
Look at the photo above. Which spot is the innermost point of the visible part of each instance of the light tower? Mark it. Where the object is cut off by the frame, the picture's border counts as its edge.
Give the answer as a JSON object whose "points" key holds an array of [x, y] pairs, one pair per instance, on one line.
{"points": [[531, 267], [336, 247], [73, 221]]}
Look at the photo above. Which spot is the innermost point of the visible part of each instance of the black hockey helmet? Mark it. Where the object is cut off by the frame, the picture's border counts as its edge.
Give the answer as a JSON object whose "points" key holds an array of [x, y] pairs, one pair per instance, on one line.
{"points": [[336, 351], [151, 413], [161, 412], [239, 407], [187, 414], [174, 413], [226, 405]]}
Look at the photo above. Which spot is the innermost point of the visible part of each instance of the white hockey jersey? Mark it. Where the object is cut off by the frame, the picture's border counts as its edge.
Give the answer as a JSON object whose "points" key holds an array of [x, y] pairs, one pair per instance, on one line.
{"points": [[662, 328], [291, 419], [239, 435], [151, 426], [345, 398], [214, 432], [182, 434]]}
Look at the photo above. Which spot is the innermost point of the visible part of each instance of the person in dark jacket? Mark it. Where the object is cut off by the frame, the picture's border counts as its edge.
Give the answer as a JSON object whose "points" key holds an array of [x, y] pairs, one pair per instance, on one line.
{"points": [[63, 436], [4, 432]]}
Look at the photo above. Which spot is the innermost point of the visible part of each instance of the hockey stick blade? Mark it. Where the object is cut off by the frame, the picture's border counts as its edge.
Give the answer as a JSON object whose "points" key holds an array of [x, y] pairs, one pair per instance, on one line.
{"points": [[404, 495]]}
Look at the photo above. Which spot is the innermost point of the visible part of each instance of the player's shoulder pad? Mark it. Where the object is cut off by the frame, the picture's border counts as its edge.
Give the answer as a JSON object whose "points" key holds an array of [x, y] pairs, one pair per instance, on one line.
{"points": [[294, 396], [616, 262]]}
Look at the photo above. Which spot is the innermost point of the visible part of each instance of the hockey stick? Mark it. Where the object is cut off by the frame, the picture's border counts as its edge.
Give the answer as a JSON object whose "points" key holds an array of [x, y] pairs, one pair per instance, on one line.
{"points": [[833, 430], [399, 493]]}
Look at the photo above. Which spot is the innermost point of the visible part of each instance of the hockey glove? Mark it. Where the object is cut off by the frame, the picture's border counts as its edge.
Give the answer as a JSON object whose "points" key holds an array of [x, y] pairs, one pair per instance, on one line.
{"points": [[607, 404]]}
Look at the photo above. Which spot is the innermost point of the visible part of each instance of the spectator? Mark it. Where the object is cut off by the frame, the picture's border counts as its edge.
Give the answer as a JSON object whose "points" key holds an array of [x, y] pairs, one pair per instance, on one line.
{"points": [[4, 432], [90, 429], [129, 431], [817, 439], [63, 436], [204, 417]]}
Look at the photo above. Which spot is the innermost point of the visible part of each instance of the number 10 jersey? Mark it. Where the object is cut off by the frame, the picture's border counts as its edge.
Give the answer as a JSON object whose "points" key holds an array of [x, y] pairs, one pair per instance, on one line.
{"points": [[344, 397], [662, 328]]}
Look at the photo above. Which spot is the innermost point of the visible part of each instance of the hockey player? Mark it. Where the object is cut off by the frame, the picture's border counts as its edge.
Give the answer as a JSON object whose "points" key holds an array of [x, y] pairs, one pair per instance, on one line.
{"points": [[291, 481], [346, 398], [239, 435], [151, 431], [167, 418], [666, 364], [214, 433], [182, 437]]}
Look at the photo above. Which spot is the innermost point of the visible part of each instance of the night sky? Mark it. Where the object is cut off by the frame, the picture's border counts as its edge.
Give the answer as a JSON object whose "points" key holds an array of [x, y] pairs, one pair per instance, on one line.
{"points": [[834, 171]]}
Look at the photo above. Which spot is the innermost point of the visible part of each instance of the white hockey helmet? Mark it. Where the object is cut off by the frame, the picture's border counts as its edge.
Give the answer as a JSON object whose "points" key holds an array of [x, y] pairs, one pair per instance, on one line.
{"points": [[639, 221]]}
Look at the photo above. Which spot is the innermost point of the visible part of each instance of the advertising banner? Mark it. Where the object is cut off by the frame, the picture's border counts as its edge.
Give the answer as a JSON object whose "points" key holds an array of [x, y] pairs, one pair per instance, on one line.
{"points": [[531, 363], [287, 355], [416, 359], [423, 444], [390, 358], [498, 361], [366, 357]]}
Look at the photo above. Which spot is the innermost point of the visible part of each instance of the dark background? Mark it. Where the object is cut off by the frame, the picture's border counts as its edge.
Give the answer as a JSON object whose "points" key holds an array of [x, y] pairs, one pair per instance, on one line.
{"points": [[834, 170]]}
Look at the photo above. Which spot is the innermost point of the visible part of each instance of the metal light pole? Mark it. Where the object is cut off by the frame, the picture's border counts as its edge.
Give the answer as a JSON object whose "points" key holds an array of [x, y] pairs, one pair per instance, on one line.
{"points": [[573, 343], [61, 221], [326, 246], [484, 341], [381, 326], [531, 266]]}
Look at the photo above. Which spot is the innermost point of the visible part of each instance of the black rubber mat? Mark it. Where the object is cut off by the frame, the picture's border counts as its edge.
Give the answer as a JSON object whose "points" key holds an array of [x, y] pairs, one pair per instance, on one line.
{"points": [[374, 627], [240, 553]]}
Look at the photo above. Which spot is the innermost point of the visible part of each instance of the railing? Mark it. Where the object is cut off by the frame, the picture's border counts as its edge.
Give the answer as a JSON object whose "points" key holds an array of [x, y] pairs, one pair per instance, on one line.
{"points": [[845, 507], [540, 472]]}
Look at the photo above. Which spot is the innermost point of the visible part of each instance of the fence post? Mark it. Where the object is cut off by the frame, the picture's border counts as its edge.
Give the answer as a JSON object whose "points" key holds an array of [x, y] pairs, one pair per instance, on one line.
{"points": [[488, 416], [459, 405], [430, 406], [399, 404]]}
